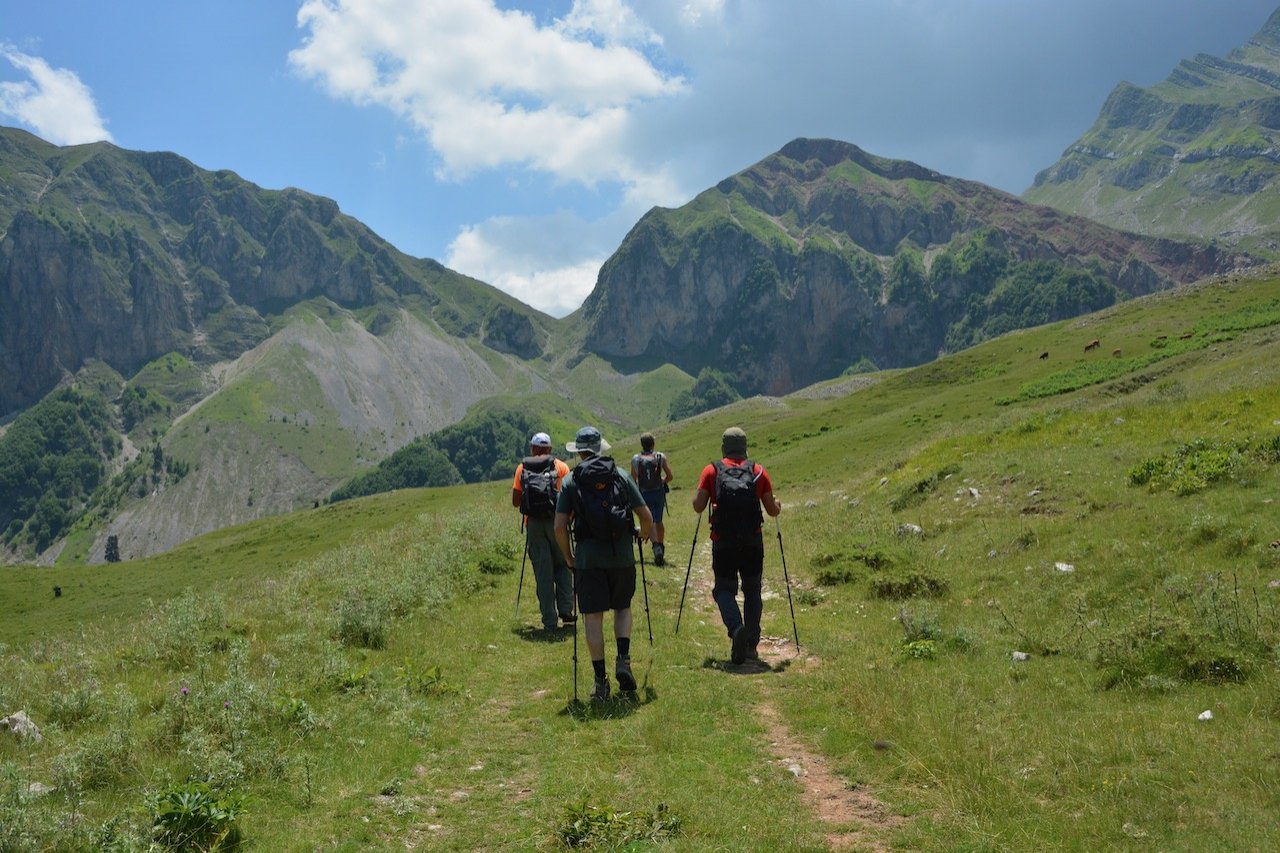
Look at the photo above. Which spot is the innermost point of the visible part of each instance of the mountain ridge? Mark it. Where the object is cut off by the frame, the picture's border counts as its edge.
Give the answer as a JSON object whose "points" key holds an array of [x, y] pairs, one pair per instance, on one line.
{"points": [[1196, 155], [825, 237]]}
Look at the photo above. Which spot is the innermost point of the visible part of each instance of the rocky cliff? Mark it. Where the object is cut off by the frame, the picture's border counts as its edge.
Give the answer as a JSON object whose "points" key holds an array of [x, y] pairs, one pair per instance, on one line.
{"points": [[123, 256], [1195, 156], [822, 255]]}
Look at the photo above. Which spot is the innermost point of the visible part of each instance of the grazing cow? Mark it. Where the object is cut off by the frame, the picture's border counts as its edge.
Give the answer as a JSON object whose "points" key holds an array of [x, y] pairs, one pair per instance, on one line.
{"points": [[1093, 344], [1116, 352], [1044, 355], [1187, 336], [1162, 337]]}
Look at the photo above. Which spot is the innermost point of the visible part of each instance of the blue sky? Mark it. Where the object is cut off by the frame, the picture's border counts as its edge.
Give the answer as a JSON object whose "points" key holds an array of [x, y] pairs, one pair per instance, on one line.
{"points": [[518, 142]]}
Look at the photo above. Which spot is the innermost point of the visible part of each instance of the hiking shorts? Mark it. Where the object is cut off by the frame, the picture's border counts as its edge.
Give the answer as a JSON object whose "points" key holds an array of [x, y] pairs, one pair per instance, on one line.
{"points": [[656, 501], [605, 589]]}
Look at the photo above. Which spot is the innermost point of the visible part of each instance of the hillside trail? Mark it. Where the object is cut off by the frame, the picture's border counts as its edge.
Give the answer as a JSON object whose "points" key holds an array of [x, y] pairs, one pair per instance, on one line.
{"points": [[856, 818]]}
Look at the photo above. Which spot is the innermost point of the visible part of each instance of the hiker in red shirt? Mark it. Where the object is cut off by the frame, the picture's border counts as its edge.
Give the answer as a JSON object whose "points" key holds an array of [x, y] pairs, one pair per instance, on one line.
{"points": [[737, 488]]}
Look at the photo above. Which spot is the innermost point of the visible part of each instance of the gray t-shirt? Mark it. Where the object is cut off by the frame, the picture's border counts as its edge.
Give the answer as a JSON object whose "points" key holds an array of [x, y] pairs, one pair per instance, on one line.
{"points": [[594, 553]]}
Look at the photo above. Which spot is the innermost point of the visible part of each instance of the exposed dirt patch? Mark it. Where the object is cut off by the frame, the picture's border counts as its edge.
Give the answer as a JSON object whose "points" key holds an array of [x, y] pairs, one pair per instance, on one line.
{"points": [[858, 820]]}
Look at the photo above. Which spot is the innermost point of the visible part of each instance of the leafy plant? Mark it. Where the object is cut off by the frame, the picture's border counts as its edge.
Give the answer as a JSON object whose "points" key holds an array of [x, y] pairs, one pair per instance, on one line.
{"points": [[586, 825], [193, 816]]}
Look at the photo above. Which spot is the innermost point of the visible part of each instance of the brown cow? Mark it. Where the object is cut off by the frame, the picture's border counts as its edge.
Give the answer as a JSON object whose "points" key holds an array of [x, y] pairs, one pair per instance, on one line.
{"points": [[1116, 352], [1044, 355], [1093, 344]]}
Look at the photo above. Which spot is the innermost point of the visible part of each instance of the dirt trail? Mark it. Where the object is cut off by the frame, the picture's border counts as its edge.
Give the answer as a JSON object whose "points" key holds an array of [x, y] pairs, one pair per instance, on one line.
{"points": [[858, 820]]}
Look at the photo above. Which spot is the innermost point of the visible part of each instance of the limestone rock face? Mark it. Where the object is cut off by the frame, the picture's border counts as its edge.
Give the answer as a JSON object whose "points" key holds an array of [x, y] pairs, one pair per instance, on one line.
{"points": [[822, 255], [123, 256], [1195, 156]]}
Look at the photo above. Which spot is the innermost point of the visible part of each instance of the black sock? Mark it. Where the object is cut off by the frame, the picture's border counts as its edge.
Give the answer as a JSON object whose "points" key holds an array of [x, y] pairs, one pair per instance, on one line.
{"points": [[624, 647], [598, 666]]}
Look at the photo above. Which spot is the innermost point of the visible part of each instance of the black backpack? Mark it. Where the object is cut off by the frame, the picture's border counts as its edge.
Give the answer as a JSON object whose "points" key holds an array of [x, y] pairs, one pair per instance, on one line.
{"points": [[603, 507], [736, 515], [538, 486], [648, 472]]}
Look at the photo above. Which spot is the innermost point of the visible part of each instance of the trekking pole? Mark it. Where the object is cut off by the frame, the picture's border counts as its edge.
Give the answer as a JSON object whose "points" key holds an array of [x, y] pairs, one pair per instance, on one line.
{"points": [[523, 557], [573, 573], [644, 583], [788, 579], [688, 570]]}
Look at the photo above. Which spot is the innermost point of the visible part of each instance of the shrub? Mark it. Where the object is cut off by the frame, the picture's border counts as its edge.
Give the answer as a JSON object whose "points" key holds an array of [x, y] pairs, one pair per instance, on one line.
{"points": [[1164, 649], [914, 585], [606, 827], [919, 490], [363, 620], [494, 564], [193, 816]]}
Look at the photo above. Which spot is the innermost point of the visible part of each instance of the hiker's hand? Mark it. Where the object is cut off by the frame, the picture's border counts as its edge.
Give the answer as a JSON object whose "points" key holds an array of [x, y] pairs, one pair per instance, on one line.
{"points": [[639, 536]]}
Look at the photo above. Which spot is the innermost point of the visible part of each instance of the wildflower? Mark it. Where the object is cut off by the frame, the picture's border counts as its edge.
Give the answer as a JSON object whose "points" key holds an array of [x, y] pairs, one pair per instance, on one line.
{"points": [[226, 704], [185, 690]]}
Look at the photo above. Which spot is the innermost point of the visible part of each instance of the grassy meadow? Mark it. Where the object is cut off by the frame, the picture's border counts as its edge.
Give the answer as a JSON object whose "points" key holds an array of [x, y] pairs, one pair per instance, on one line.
{"points": [[1019, 584]]}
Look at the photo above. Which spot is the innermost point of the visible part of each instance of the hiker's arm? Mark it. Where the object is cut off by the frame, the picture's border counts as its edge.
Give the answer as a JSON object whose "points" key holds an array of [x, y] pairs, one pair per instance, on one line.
{"points": [[700, 500], [771, 504], [646, 523], [667, 476], [562, 537], [515, 498]]}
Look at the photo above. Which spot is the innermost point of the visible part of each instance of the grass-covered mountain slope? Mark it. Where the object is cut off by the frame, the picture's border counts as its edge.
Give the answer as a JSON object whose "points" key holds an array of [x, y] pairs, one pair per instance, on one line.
{"points": [[823, 256], [1019, 583], [249, 350], [123, 256], [1192, 156]]}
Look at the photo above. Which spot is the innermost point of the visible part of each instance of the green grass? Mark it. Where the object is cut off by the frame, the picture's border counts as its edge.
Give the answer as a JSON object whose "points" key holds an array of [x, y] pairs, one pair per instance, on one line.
{"points": [[382, 695]]}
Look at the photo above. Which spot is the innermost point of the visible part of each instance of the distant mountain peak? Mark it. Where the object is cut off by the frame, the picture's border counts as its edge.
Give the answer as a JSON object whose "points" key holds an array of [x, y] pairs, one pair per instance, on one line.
{"points": [[1269, 36], [1193, 157]]}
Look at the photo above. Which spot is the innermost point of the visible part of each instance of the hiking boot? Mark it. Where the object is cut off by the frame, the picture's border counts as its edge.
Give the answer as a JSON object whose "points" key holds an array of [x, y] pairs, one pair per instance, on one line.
{"points": [[626, 681], [741, 642], [659, 554], [753, 647], [601, 691]]}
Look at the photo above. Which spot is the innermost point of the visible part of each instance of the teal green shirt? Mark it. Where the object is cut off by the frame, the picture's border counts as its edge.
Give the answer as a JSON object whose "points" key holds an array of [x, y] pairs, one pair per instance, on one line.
{"points": [[593, 553]]}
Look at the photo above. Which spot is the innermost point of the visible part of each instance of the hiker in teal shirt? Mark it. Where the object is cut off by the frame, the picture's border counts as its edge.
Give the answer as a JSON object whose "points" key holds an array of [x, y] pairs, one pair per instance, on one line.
{"points": [[599, 499]]}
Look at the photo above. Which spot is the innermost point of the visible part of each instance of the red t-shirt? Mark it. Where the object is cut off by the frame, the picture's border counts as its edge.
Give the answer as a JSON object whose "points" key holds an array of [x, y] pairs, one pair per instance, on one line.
{"points": [[707, 482]]}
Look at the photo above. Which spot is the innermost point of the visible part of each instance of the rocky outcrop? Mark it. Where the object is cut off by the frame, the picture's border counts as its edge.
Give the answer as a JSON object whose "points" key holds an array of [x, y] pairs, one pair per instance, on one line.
{"points": [[123, 256], [1194, 157], [823, 255]]}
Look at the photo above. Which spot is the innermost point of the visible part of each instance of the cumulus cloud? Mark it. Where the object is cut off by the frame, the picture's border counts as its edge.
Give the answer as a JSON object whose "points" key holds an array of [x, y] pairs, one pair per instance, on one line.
{"points": [[489, 87], [53, 102], [550, 262]]}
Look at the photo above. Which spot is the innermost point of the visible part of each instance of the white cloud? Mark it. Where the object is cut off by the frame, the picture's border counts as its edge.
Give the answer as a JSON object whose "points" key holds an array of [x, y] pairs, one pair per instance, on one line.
{"points": [[697, 12], [53, 102], [550, 262], [490, 88]]}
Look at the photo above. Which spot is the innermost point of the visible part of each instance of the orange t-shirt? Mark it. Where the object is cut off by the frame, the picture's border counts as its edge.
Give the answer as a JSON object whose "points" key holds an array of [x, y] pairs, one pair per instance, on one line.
{"points": [[562, 468]]}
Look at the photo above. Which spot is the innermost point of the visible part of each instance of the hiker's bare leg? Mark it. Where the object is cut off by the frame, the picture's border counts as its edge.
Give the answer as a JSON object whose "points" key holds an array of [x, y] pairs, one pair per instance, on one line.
{"points": [[594, 623]]}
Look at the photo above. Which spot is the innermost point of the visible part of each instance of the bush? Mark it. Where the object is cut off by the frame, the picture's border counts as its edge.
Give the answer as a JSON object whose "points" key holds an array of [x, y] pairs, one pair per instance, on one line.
{"points": [[914, 585], [921, 489], [606, 827], [363, 621], [1164, 649], [193, 816], [494, 563]]}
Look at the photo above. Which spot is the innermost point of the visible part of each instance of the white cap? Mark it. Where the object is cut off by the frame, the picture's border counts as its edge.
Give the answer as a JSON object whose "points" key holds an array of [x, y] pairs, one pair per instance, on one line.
{"points": [[540, 439]]}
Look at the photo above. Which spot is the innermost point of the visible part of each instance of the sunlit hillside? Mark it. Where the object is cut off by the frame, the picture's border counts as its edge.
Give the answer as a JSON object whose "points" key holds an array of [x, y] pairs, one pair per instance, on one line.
{"points": [[1034, 586]]}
